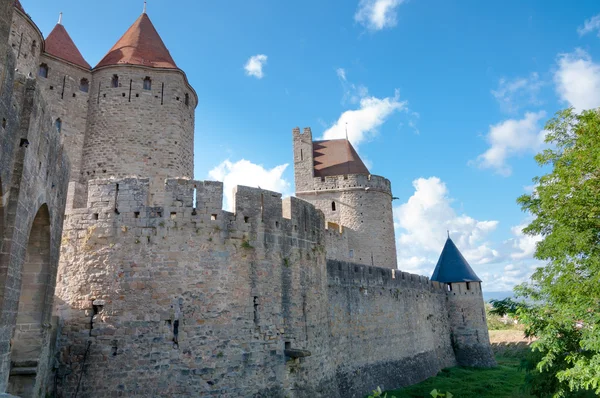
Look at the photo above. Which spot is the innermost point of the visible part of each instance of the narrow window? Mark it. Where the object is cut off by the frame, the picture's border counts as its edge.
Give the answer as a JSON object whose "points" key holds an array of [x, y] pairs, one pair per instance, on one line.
{"points": [[449, 287], [147, 83], [58, 125], [43, 72], [114, 81], [351, 254], [332, 206], [84, 85], [187, 99], [468, 286], [33, 46], [301, 155]]}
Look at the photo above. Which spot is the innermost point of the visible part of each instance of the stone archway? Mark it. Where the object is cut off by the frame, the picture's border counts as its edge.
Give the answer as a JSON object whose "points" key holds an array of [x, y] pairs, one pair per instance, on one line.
{"points": [[27, 341]]}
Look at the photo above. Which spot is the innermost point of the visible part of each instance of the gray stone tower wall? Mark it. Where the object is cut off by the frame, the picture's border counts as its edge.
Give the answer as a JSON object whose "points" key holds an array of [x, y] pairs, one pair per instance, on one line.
{"points": [[471, 340], [136, 132], [33, 180], [27, 42], [359, 203], [67, 102]]}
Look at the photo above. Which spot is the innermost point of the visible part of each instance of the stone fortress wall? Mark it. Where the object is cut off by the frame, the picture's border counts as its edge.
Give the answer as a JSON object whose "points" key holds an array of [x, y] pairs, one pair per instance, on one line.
{"points": [[34, 172], [159, 292], [176, 299]]}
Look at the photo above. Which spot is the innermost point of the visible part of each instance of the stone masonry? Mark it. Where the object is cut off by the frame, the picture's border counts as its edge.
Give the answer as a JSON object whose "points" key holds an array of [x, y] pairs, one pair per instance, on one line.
{"points": [[121, 275]]}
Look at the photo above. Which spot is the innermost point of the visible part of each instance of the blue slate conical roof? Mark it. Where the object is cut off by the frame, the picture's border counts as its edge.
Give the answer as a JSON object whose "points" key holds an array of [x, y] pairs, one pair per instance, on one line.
{"points": [[452, 266]]}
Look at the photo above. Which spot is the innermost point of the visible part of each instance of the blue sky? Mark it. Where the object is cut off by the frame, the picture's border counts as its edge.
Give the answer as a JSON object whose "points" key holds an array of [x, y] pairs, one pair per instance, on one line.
{"points": [[446, 99]]}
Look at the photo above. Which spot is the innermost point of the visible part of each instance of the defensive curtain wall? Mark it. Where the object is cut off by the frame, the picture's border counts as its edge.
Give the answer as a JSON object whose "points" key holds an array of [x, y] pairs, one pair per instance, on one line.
{"points": [[33, 187], [184, 299]]}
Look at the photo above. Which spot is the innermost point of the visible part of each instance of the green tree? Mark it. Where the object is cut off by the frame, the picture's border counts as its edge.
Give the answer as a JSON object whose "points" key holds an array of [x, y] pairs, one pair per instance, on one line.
{"points": [[564, 295]]}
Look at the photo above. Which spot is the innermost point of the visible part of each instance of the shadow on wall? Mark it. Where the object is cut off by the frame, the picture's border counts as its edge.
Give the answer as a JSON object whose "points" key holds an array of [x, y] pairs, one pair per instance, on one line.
{"points": [[27, 340]]}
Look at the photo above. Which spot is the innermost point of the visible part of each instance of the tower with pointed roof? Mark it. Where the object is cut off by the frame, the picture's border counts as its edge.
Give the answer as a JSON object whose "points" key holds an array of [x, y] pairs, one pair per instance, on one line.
{"points": [[140, 120], [64, 76], [331, 175], [466, 310]]}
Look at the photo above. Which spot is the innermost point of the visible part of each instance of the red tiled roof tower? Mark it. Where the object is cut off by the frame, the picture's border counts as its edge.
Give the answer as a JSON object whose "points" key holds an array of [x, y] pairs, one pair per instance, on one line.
{"points": [[19, 6], [60, 45], [140, 45]]}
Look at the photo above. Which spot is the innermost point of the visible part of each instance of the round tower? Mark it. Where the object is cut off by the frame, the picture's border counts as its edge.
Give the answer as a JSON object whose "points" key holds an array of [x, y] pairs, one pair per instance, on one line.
{"points": [[466, 310], [26, 41], [66, 84], [330, 175], [141, 112]]}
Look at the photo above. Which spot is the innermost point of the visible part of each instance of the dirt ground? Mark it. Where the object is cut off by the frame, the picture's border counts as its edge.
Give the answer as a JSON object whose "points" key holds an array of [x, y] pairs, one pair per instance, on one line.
{"points": [[506, 341]]}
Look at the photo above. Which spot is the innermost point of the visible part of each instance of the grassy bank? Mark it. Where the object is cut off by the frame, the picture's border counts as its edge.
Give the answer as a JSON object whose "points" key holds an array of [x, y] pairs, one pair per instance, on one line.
{"points": [[506, 380]]}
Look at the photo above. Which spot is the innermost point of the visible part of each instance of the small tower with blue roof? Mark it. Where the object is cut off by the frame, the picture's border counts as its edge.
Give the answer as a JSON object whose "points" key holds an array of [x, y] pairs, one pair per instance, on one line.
{"points": [[466, 310]]}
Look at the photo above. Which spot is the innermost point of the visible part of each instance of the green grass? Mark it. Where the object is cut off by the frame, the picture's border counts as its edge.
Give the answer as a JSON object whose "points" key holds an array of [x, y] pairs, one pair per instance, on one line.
{"points": [[504, 381]]}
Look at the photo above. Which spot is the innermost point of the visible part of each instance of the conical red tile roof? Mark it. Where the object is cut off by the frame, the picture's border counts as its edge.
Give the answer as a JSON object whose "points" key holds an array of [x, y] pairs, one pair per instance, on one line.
{"points": [[140, 45], [59, 44], [19, 6]]}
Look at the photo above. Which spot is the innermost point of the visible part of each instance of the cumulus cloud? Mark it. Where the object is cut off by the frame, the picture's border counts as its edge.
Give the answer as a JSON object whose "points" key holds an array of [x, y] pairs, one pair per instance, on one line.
{"points": [[512, 137], [377, 14], [523, 245], [577, 80], [244, 172], [421, 224], [507, 277], [513, 94], [363, 122], [255, 64], [590, 25]]}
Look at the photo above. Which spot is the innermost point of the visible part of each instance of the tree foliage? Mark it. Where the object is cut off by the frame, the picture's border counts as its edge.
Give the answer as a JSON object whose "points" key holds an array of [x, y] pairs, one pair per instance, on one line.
{"points": [[565, 294]]}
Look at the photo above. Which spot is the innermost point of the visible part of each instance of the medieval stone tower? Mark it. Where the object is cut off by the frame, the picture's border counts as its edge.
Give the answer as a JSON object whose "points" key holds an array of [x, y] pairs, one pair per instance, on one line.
{"points": [[141, 112], [470, 335], [158, 290], [330, 175]]}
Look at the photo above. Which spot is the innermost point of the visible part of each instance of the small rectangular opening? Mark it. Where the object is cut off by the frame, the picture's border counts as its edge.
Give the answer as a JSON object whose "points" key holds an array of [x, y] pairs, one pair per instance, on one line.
{"points": [[276, 224], [246, 219], [136, 214], [159, 213], [288, 345], [95, 216], [468, 285], [449, 287], [213, 217], [173, 215], [393, 274]]}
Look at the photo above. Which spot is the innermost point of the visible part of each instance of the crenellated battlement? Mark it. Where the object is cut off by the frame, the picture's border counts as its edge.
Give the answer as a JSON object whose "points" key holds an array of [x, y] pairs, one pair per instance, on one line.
{"points": [[351, 182], [196, 204], [343, 273]]}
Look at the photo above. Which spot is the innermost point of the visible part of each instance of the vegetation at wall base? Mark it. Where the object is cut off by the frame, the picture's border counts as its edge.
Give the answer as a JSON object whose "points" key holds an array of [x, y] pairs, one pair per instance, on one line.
{"points": [[505, 380]]}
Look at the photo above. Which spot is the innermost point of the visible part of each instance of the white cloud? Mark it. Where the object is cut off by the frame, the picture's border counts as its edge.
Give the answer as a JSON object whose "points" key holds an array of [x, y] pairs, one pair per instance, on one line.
{"points": [[512, 137], [363, 122], [341, 72], [577, 80], [507, 277], [377, 14], [513, 94], [524, 245], [590, 25], [421, 225], [244, 172], [255, 64]]}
